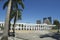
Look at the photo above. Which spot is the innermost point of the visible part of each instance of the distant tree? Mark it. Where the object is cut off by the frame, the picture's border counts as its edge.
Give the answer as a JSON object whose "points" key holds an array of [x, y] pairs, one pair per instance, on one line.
{"points": [[56, 22]]}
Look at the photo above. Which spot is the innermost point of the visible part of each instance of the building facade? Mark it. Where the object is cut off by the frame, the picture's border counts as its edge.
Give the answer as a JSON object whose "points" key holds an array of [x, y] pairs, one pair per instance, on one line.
{"points": [[26, 26]]}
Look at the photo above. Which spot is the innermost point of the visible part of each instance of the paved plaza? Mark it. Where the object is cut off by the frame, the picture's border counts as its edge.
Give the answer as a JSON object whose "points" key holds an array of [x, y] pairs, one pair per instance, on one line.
{"points": [[33, 35], [30, 35]]}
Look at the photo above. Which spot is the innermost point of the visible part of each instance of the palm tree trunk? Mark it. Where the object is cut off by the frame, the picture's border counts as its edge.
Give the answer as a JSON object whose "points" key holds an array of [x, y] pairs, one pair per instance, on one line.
{"points": [[9, 22], [15, 19], [14, 26], [9, 28], [5, 32]]}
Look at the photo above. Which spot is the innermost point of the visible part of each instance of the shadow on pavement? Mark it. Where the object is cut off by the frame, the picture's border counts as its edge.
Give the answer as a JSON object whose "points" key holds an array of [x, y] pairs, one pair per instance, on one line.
{"points": [[21, 38], [52, 35], [1, 34]]}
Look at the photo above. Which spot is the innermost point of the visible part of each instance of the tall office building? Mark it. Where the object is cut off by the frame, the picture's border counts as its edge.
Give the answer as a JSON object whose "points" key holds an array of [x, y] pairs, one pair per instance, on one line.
{"points": [[38, 22], [44, 19], [50, 19], [47, 21]]}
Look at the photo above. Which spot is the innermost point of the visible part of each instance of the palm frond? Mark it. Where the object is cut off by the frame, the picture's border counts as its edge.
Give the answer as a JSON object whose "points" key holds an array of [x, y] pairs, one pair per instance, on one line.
{"points": [[21, 3], [5, 4], [20, 10], [15, 5], [19, 15], [12, 14]]}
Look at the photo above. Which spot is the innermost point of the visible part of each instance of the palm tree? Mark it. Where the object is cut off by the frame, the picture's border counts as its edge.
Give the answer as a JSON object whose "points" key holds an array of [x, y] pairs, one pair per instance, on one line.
{"points": [[17, 11], [5, 36], [17, 16], [10, 4]]}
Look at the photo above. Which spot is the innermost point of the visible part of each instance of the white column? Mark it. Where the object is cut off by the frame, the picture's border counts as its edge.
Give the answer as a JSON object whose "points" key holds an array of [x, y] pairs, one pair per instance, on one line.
{"points": [[31, 28], [45, 27], [34, 27], [42, 27], [21, 28], [26, 27], [38, 27]]}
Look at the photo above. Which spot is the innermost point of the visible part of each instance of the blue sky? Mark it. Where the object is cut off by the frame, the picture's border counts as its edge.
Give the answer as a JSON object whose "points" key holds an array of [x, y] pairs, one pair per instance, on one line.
{"points": [[36, 10]]}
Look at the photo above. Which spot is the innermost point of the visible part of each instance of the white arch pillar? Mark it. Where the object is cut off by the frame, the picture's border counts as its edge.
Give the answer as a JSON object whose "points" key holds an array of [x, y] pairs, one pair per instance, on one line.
{"points": [[38, 27], [20, 27], [26, 27], [31, 27], [34, 27], [42, 27]]}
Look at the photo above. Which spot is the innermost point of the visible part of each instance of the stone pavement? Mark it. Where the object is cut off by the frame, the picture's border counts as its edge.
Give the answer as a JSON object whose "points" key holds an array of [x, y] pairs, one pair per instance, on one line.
{"points": [[12, 38], [32, 35]]}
